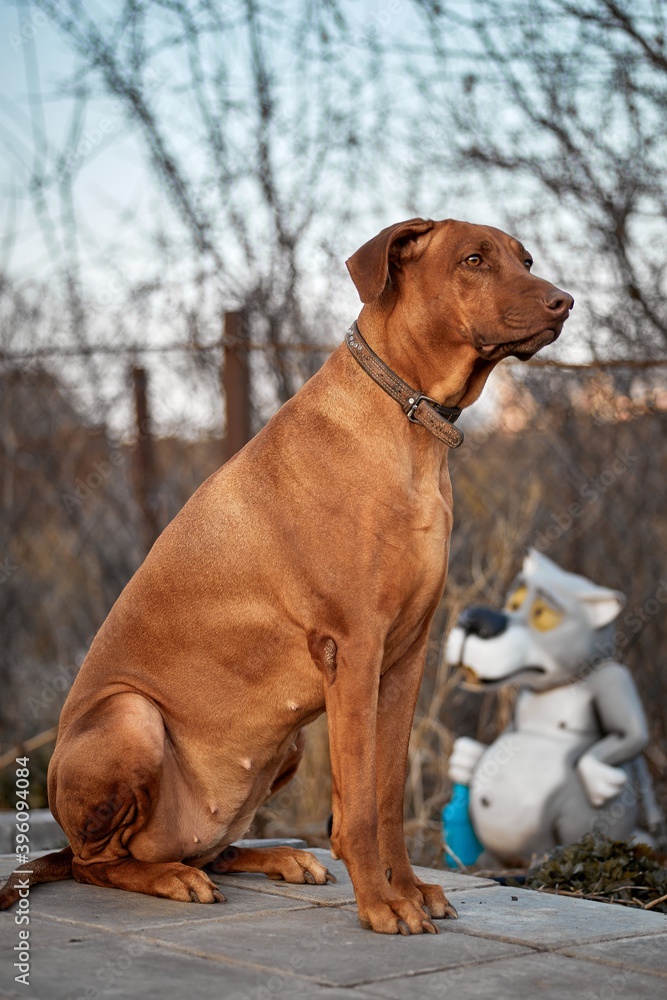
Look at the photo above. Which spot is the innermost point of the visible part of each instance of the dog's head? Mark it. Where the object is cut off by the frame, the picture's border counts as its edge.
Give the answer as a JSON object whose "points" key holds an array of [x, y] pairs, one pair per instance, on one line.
{"points": [[554, 623], [493, 301]]}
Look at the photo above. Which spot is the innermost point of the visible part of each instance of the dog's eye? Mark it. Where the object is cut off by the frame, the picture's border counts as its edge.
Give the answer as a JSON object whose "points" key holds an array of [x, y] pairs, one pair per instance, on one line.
{"points": [[528, 262], [543, 616], [516, 598], [474, 260]]}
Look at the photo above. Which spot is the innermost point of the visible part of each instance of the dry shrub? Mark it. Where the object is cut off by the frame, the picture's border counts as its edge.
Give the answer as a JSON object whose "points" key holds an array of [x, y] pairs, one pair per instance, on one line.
{"points": [[559, 440]]}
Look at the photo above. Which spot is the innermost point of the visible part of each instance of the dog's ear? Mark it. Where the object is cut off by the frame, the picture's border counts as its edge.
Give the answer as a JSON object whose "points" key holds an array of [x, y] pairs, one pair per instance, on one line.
{"points": [[369, 266]]}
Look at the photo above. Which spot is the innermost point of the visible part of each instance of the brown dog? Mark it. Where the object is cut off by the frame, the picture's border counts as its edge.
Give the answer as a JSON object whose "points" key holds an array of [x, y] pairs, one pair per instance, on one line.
{"points": [[301, 577]]}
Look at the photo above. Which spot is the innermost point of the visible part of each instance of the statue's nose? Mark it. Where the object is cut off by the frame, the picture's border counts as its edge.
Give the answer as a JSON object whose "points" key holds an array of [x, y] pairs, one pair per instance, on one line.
{"points": [[484, 622]]}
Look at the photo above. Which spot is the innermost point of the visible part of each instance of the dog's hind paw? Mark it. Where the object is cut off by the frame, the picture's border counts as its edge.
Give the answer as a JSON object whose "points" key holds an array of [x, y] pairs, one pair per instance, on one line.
{"points": [[298, 866], [281, 864], [170, 880]]}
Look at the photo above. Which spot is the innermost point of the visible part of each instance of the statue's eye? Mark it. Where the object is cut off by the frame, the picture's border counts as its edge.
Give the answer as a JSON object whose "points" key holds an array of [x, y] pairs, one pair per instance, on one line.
{"points": [[543, 616], [516, 598]]}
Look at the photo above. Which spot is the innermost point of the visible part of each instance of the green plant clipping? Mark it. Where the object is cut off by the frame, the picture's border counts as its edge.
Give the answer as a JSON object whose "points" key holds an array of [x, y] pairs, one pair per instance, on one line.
{"points": [[608, 870]]}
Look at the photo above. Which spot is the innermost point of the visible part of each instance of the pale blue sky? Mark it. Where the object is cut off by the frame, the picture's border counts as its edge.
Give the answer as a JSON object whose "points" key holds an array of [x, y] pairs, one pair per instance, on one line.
{"points": [[110, 159], [120, 204]]}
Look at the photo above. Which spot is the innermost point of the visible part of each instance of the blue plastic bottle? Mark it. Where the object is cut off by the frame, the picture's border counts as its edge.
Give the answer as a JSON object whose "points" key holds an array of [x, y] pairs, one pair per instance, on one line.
{"points": [[457, 830]]}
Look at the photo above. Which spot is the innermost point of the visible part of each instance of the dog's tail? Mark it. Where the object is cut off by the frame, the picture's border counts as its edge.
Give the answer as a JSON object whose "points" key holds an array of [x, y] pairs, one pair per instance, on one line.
{"points": [[50, 868]]}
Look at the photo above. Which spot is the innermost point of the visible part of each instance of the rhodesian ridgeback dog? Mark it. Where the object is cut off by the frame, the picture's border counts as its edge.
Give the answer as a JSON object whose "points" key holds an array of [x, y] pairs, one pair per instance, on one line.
{"points": [[300, 578]]}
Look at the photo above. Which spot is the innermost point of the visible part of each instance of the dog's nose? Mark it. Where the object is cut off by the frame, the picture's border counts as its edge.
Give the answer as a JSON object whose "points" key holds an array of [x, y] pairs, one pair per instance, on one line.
{"points": [[558, 302], [483, 622]]}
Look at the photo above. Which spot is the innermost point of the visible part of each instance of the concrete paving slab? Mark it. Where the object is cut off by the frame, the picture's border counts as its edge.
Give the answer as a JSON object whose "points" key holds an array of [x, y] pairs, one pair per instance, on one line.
{"points": [[112, 908], [79, 964], [330, 946], [547, 976], [524, 916], [644, 954], [544, 920], [341, 892], [102, 944]]}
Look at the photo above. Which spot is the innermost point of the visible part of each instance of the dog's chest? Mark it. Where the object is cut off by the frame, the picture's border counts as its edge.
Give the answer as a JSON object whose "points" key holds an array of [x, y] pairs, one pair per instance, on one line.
{"points": [[416, 576], [427, 527]]}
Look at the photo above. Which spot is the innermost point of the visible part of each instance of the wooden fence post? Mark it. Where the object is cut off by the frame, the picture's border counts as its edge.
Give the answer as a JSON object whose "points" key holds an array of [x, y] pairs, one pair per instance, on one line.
{"points": [[236, 384], [144, 460]]}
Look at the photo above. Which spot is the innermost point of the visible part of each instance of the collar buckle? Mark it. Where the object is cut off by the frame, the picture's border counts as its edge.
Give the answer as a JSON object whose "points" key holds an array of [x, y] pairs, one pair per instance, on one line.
{"points": [[413, 403], [450, 413]]}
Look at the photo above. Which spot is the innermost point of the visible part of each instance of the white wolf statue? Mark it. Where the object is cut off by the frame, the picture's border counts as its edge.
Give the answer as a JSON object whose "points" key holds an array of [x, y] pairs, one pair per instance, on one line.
{"points": [[570, 761]]}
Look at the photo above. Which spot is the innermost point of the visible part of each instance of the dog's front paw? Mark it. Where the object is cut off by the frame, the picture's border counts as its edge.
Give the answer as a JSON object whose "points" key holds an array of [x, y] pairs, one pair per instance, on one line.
{"points": [[396, 915], [438, 905]]}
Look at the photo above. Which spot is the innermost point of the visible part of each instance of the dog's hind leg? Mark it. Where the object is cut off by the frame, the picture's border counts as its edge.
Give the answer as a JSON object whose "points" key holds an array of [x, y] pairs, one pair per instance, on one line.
{"points": [[104, 783]]}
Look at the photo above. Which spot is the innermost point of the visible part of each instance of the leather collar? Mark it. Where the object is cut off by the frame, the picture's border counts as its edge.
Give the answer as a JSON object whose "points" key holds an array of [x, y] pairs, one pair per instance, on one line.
{"points": [[418, 408]]}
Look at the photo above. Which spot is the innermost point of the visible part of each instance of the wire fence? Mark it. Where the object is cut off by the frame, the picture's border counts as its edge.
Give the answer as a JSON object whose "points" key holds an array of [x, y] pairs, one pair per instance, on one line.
{"points": [[308, 347]]}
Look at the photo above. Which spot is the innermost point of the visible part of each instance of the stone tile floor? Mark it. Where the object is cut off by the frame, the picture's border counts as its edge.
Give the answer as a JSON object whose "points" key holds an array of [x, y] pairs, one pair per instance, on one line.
{"points": [[274, 941]]}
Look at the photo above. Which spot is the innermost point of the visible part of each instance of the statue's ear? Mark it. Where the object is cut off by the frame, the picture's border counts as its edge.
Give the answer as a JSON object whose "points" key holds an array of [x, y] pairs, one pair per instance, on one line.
{"points": [[602, 605], [369, 266]]}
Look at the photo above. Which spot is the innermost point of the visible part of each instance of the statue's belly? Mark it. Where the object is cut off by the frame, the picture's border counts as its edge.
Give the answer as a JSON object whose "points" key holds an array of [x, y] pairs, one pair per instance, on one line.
{"points": [[514, 790]]}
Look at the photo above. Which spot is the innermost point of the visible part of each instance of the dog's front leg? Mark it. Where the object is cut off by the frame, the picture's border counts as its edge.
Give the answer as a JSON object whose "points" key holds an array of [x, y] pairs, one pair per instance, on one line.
{"points": [[351, 674], [399, 688]]}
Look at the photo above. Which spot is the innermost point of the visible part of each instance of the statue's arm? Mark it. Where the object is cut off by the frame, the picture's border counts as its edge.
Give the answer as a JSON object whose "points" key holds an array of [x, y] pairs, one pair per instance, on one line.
{"points": [[621, 715], [623, 724]]}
